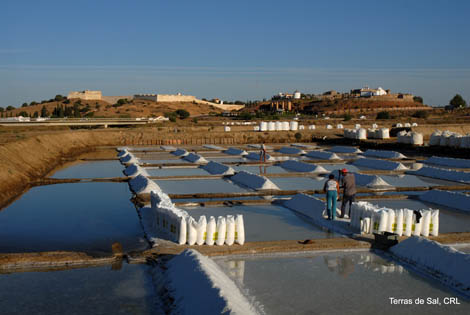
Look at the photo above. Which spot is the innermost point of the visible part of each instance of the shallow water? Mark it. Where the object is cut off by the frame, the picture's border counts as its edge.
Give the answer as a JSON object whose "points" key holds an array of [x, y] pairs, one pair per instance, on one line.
{"points": [[449, 220], [298, 183], [260, 170], [95, 290], [195, 186], [266, 222], [334, 283], [84, 217], [415, 181], [94, 169], [183, 171], [162, 161]]}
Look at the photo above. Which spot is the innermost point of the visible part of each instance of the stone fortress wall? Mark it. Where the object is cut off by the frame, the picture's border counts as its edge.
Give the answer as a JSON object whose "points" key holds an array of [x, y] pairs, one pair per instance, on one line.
{"points": [[85, 95]]}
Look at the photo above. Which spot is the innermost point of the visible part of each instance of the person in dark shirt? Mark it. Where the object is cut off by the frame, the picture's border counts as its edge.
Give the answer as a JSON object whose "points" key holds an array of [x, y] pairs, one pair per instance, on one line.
{"points": [[348, 183]]}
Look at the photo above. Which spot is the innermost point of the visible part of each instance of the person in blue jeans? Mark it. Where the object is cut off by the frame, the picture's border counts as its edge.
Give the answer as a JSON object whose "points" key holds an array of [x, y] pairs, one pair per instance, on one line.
{"points": [[331, 188]]}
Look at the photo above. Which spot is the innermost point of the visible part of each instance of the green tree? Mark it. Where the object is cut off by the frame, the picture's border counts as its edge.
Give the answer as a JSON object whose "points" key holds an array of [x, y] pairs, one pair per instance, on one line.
{"points": [[457, 101], [383, 115], [418, 99], [9, 107], [33, 103], [347, 117], [36, 114], [58, 98], [298, 136], [23, 113], [182, 113], [421, 114], [44, 112], [2, 109], [24, 104]]}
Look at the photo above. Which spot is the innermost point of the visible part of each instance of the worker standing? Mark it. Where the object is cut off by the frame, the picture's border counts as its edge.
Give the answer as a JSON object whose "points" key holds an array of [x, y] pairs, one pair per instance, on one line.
{"points": [[331, 188], [262, 156], [348, 183]]}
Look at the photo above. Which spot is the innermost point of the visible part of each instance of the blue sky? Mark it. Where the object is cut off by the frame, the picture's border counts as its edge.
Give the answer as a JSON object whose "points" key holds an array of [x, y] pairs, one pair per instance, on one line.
{"points": [[233, 49]]}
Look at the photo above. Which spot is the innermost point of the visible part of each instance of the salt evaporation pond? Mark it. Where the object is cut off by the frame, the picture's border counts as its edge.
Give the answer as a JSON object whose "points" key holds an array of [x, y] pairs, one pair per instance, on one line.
{"points": [[77, 217], [95, 290], [450, 220], [415, 181], [266, 222], [228, 159], [198, 186], [334, 283], [261, 169], [180, 171], [95, 169], [298, 183], [335, 167], [176, 160]]}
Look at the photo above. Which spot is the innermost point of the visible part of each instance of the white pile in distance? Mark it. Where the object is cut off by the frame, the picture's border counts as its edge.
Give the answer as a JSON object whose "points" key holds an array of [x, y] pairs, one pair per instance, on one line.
{"points": [[213, 147], [369, 218], [450, 199], [291, 150], [449, 139], [442, 173], [195, 158], [322, 155], [128, 158], [370, 180], [298, 166], [253, 181], [344, 149], [180, 152], [450, 162], [358, 133], [256, 156], [380, 164], [382, 133], [414, 138], [216, 168], [440, 261], [279, 126], [235, 151], [134, 170], [384, 154], [199, 286], [168, 148]]}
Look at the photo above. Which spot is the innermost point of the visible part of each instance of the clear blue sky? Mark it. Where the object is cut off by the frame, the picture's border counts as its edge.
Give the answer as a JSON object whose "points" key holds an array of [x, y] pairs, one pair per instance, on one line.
{"points": [[233, 49]]}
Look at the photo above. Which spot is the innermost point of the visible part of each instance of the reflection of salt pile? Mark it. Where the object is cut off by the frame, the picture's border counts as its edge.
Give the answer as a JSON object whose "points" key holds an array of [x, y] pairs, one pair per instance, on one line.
{"points": [[133, 170], [298, 166], [442, 173], [344, 149], [180, 152], [450, 162], [235, 151], [195, 158], [215, 168], [447, 198], [440, 261], [380, 164], [384, 154], [257, 156], [369, 218], [199, 286], [291, 150], [323, 155], [253, 181]]}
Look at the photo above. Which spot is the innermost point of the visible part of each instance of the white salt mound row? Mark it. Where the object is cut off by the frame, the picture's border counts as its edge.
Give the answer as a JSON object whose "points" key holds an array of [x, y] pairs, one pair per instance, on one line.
{"points": [[298, 166], [180, 152], [195, 158], [450, 199], [369, 180], [323, 155], [291, 150], [344, 149], [142, 185], [384, 154], [380, 164], [133, 170], [235, 151], [123, 152], [129, 158], [442, 173], [368, 218], [451, 162], [199, 286], [256, 156], [215, 168], [437, 259], [253, 181]]}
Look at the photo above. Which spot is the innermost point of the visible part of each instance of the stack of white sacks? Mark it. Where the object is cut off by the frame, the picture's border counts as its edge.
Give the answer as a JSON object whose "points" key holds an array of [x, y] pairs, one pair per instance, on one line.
{"points": [[279, 126], [179, 226], [382, 133], [359, 133], [412, 137], [450, 139], [369, 219]]}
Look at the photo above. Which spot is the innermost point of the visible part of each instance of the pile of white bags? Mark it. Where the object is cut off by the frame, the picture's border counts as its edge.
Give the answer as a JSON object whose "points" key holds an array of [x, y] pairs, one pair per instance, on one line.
{"points": [[412, 137], [369, 219], [360, 133], [279, 126], [450, 139], [382, 133]]}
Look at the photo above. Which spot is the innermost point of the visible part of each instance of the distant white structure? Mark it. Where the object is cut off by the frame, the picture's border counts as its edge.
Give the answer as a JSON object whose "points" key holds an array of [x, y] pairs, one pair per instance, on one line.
{"points": [[165, 97], [297, 95], [367, 92], [85, 95]]}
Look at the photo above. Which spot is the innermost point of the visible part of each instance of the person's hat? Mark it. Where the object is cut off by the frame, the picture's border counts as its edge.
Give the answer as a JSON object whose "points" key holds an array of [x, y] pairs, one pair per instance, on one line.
{"points": [[344, 170]]}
